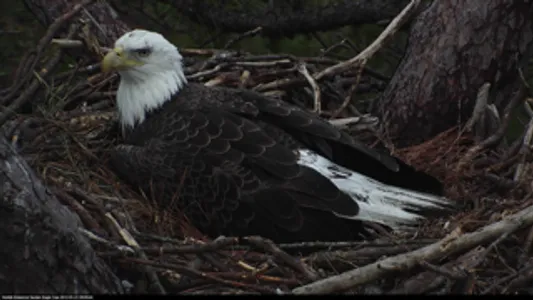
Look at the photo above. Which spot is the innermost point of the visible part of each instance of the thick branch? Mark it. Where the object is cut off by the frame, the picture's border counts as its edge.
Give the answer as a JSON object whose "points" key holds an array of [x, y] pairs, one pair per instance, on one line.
{"points": [[448, 246], [308, 19]]}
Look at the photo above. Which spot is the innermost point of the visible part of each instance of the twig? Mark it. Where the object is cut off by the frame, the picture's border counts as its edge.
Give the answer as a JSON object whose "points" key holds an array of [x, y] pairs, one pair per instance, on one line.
{"points": [[262, 64], [393, 27], [87, 219], [294, 263], [524, 278], [28, 92], [427, 281], [333, 47], [440, 270], [207, 72], [162, 239], [240, 37], [351, 92], [524, 151], [317, 106], [197, 274], [512, 228], [527, 247], [51, 31], [363, 122], [498, 135], [30, 60], [67, 43], [443, 248], [120, 248], [479, 107], [343, 260], [255, 277], [351, 244], [214, 245], [130, 240], [497, 284], [198, 52]]}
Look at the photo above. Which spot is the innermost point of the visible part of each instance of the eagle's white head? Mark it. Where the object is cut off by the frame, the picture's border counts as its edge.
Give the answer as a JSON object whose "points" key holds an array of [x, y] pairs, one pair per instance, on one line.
{"points": [[151, 71]]}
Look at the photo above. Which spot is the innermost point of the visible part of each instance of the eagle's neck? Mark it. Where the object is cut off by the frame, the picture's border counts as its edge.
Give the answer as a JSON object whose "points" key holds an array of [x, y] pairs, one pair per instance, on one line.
{"points": [[142, 93]]}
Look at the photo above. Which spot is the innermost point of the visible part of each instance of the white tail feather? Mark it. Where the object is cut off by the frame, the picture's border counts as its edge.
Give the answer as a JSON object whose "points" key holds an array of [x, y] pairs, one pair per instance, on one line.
{"points": [[389, 205]]}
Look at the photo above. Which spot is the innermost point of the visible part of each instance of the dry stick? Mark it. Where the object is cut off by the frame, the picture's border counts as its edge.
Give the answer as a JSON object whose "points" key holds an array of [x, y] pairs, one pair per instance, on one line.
{"points": [[426, 281], [440, 270], [262, 64], [294, 263], [350, 244], [255, 277], [344, 260], [86, 217], [198, 52], [353, 88], [498, 135], [30, 59], [527, 247], [388, 33], [524, 151], [67, 43], [479, 108], [249, 33], [498, 283], [28, 92], [524, 279], [278, 84], [217, 244], [405, 262], [362, 122], [130, 240], [26, 63], [52, 29], [208, 72], [182, 270], [332, 47], [316, 89]]}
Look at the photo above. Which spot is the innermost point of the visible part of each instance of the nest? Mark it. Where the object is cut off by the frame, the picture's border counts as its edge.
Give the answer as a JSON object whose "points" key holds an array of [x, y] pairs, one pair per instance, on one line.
{"points": [[482, 248]]}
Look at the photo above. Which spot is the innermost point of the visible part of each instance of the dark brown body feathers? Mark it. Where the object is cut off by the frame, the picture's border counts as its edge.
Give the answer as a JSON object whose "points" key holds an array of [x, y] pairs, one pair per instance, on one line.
{"points": [[228, 158]]}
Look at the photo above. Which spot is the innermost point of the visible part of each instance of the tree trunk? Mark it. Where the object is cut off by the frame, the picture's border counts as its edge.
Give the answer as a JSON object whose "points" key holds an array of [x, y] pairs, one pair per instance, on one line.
{"points": [[42, 250], [454, 48]]}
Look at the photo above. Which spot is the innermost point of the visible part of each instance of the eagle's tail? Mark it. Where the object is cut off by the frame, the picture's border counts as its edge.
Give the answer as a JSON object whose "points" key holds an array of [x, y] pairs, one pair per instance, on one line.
{"points": [[395, 207]]}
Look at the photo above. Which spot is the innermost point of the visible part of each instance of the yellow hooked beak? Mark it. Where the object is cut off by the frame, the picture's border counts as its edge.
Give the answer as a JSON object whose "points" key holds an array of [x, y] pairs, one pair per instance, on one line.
{"points": [[117, 60]]}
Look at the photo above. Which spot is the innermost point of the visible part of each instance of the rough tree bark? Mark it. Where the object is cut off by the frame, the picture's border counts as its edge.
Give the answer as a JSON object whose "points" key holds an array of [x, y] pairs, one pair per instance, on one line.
{"points": [[275, 23], [455, 47], [42, 250]]}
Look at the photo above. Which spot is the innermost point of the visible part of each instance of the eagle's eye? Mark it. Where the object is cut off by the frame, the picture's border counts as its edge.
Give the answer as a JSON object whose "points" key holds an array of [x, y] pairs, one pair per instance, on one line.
{"points": [[143, 52]]}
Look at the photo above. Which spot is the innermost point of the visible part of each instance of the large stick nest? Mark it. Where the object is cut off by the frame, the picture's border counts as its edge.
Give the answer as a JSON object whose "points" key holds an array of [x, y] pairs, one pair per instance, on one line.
{"points": [[481, 248]]}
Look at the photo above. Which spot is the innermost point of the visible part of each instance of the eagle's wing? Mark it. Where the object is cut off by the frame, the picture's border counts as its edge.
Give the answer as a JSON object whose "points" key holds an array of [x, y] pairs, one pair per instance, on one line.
{"points": [[336, 145], [228, 170]]}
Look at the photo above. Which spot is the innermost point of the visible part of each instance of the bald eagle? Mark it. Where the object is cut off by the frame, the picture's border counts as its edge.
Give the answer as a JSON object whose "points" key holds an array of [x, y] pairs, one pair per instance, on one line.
{"points": [[238, 163]]}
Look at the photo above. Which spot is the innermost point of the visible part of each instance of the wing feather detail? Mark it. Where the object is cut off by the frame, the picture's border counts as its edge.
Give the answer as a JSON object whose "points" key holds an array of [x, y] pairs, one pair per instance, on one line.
{"points": [[236, 173], [230, 157]]}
